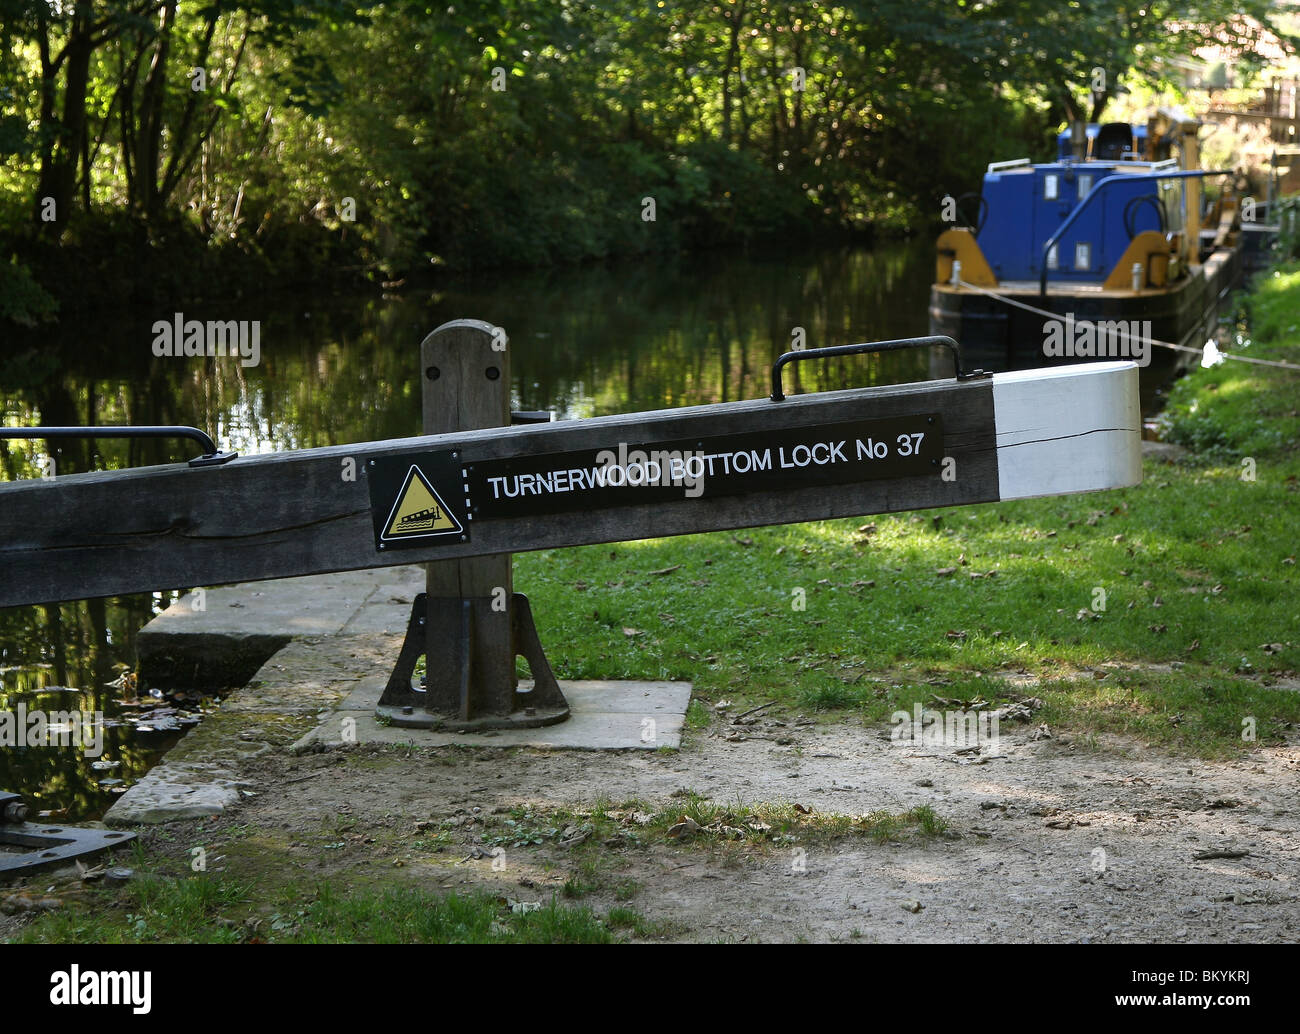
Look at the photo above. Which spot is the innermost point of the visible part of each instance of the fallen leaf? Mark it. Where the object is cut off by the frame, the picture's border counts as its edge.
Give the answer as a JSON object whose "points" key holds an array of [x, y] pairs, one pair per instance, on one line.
{"points": [[684, 827]]}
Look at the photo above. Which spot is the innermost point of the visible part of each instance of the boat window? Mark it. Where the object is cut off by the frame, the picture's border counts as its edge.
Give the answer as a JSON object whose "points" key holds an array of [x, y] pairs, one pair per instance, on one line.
{"points": [[1085, 185], [1052, 260], [1083, 255], [1050, 187]]}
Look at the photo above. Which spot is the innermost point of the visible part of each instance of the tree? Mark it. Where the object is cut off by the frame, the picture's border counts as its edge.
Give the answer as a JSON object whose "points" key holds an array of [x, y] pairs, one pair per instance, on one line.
{"points": [[1079, 52]]}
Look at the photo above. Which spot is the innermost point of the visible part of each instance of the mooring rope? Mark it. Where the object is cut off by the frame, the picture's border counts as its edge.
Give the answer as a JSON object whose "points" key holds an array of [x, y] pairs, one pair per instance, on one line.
{"points": [[1069, 320]]}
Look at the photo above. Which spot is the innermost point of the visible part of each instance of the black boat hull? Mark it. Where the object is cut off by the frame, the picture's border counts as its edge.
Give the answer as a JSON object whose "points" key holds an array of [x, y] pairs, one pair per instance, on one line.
{"points": [[996, 335]]}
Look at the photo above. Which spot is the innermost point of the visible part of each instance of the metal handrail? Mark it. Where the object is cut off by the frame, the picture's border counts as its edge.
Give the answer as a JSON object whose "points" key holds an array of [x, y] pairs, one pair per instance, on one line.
{"points": [[212, 456], [778, 393]]}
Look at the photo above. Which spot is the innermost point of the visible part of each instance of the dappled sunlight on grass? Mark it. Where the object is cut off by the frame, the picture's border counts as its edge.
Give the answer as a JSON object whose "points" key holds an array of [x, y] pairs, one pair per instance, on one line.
{"points": [[1193, 570], [1173, 570]]}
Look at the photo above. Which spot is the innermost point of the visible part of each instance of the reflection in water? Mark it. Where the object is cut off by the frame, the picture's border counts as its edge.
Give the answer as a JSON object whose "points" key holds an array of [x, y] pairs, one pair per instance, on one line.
{"points": [[58, 659], [78, 770]]}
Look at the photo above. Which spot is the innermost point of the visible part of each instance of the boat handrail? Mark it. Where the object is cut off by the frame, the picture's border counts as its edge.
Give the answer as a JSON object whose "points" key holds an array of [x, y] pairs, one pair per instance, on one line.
{"points": [[1013, 163], [1052, 241]]}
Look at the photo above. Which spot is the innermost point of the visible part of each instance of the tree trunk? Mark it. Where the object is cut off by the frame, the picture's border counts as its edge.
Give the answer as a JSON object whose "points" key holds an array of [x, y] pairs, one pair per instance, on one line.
{"points": [[733, 62], [148, 144], [62, 156]]}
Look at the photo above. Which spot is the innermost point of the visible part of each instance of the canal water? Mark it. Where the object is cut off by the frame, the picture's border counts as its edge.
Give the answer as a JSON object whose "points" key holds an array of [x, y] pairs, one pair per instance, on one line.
{"points": [[338, 369]]}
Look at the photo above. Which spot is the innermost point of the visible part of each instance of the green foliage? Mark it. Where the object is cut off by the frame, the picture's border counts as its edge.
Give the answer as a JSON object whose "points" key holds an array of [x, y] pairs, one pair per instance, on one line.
{"points": [[1062, 47], [22, 299], [1236, 410], [496, 131], [1288, 217]]}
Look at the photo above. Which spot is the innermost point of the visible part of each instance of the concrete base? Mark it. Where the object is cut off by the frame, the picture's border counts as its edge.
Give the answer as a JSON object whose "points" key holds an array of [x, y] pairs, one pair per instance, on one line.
{"points": [[323, 648], [605, 716], [176, 790], [224, 636]]}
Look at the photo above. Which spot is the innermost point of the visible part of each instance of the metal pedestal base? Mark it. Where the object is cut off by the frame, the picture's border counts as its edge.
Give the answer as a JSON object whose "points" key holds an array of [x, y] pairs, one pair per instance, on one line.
{"points": [[455, 697], [526, 718], [51, 846]]}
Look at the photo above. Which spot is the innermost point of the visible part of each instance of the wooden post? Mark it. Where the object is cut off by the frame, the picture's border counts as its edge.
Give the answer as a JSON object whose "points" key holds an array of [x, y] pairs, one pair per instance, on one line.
{"points": [[467, 387], [474, 622], [1192, 160]]}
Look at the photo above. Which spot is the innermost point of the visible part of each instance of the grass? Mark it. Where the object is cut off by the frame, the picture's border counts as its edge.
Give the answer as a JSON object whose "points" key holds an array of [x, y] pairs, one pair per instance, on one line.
{"points": [[694, 820], [214, 909], [1237, 410], [1194, 568], [261, 899]]}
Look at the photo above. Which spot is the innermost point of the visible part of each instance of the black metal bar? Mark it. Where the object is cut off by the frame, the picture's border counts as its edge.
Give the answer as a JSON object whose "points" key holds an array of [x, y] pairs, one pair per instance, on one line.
{"points": [[935, 340], [212, 456], [531, 416]]}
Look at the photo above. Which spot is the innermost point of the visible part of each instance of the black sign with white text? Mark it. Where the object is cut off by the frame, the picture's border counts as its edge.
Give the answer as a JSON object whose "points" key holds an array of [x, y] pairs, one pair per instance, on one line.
{"points": [[627, 474]]}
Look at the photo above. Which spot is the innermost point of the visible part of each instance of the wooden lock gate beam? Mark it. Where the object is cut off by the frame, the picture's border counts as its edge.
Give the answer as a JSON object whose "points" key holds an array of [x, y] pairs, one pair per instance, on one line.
{"points": [[499, 490]]}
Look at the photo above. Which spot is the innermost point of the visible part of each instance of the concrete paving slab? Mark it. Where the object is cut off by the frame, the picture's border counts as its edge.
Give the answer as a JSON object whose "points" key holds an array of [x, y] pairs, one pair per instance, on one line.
{"points": [[319, 650], [366, 694], [379, 618], [319, 604], [642, 698], [241, 626], [177, 790], [606, 715]]}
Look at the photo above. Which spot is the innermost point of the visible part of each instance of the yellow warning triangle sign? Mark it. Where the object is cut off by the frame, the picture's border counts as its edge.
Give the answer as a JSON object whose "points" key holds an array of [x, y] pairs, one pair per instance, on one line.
{"points": [[419, 510]]}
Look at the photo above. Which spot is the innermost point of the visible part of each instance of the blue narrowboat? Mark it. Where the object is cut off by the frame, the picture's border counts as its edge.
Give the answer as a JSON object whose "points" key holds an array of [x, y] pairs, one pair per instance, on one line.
{"points": [[1107, 253]]}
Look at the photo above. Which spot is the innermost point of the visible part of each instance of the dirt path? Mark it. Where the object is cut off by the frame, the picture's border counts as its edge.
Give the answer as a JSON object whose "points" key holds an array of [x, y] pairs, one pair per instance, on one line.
{"points": [[1049, 842]]}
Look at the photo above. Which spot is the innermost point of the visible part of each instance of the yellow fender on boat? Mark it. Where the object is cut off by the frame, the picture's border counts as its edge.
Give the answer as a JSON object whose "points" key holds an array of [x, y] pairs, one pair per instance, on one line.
{"points": [[1150, 250], [959, 244]]}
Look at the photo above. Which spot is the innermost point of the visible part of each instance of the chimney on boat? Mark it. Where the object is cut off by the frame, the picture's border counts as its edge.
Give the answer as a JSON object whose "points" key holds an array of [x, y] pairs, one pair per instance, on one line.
{"points": [[1079, 139]]}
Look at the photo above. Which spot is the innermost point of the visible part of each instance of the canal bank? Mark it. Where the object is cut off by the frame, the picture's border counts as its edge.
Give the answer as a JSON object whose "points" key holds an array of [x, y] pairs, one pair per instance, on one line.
{"points": [[1128, 741], [327, 644], [1009, 581]]}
